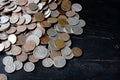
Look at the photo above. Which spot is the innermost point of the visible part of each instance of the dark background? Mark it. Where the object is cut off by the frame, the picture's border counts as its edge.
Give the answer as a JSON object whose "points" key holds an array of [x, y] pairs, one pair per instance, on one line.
{"points": [[100, 43]]}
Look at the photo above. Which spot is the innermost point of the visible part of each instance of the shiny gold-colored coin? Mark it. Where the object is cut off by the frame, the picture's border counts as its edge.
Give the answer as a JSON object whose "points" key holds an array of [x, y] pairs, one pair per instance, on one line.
{"points": [[39, 16], [77, 51], [59, 43], [66, 5], [62, 20]]}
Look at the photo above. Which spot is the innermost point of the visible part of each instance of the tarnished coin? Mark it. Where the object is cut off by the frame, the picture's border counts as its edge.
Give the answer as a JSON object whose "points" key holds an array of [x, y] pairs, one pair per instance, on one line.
{"points": [[12, 38], [62, 20], [18, 65], [16, 50], [66, 5], [59, 62], [39, 16], [21, 39], [33, 6], [33, 59], [10, 68], [7, 60], [2, 46], [59, 43], [76, 7], [47, 62], [3, 77], [29, 46], [40, 52], [45, 39], [77, 52], [22, 57], [29, 66]]}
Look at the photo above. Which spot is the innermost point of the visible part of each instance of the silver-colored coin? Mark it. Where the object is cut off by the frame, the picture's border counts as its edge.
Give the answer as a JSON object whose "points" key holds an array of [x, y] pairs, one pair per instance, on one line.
{"points": [[21, 20], [59, 61], [28, 18], [18, 65], [68, 43], [2, 47], [36, 1], [76, 7], [40, 5], [3, 36], [55, 13], [52, 45], [7, 60], [4, 19], [46, 16], [77, 30], [47, 12], [68, 57], [11, 9], [4, 26], [73, 20], [37, 32], [12, 38], [29, 67], [68, 29], [51, 32], [47, 62], [66, 51], [59, 28], [10, 68], [18, 9], [40, 52], [82, 23], [33, 38], [14, 18]]}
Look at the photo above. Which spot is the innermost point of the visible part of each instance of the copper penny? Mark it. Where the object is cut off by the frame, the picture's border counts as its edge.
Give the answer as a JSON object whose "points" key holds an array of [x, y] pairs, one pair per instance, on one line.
{"points": [[21, 28], [21, 39], [62, 20], [3, 77], [22, 57], [16, 50], [29, 46], [66, 5], [11, 30], [77, 51], [45, 39], [22, 2], [64, 36], [55, 53], [33, 59], [39, 16], [31, 26], [46, 24]]}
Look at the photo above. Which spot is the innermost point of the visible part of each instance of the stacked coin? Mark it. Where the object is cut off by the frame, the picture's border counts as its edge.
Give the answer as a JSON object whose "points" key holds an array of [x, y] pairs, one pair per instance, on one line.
{"points": [[33, 30]]}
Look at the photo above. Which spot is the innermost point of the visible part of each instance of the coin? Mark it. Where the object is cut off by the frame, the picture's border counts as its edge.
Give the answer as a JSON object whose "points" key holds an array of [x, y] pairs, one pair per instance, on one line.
{"points": [[4, 19], [66, 5], [55, 13], [66, 51], [22, 2], [7, 60], [64, 36], [51, 32], [47, 62], [29, 66], [14, 18], [77, 52], [16, 50], [59, 43], [21, 20], [33, 59], [21, 28], [21, 39], [10, 68], [62, 20], [2, 47], [31, 26], [7, 44], [45, 39], [22, 57], [55, 53], [3, 36], [59, 62], [70, 13], [11, 30], [39, 16], [53, 6], [3, 77], [76, 7], [18, 65], [12, 38], [52, 20], [5, 26], [28, 18], [73, 20], [40, 52], [46, 24], [37, 32], [29, 46], [33, 6]]}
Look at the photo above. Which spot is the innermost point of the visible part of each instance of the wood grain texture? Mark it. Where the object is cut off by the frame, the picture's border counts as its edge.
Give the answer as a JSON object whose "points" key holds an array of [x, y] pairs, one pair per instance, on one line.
{"points": [[100, 43]]}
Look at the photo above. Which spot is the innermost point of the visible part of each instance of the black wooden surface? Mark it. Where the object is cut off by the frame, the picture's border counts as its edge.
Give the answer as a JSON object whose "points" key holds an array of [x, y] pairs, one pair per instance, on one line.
{"points": [[100, 43]]}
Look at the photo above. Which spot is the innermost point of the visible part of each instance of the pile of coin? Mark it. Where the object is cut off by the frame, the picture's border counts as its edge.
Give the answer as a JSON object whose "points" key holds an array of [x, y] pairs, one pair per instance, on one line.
{"points": [[34, 30]]}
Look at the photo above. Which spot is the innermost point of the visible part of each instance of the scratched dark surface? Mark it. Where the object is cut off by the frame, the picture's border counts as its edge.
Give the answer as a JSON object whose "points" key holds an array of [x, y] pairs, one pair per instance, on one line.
{"points": [[100, 43]]}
